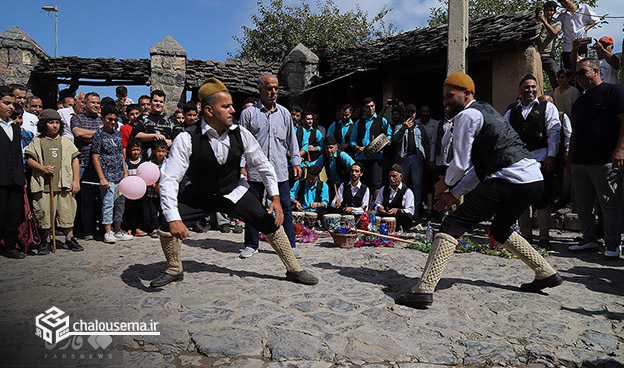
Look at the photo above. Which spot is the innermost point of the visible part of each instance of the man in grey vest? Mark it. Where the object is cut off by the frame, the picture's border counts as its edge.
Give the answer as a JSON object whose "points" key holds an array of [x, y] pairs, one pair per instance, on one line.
{"points": [[491, 163], [209, 154]]}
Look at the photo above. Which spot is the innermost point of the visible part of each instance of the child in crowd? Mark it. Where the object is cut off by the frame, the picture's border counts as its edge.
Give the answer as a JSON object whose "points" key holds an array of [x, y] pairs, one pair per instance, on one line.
{"points": [[178, 115], [18, 118], [110, 167], [152, 196], [54, 158], [132, 112], [133, 213], [565, 94]]}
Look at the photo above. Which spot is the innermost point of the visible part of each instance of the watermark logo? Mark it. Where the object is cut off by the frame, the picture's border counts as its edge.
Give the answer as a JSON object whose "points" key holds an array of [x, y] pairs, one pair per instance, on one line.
{"points": [[54, 326]]}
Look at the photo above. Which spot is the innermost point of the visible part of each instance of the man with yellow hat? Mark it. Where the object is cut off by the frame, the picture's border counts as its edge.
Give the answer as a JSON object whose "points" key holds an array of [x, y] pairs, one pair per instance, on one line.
{"points": [[209, 154], [491, 162]]}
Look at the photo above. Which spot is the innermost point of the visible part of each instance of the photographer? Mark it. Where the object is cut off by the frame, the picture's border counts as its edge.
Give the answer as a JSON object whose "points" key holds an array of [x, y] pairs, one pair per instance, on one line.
{"points": [[576, 20], [547, 38]]}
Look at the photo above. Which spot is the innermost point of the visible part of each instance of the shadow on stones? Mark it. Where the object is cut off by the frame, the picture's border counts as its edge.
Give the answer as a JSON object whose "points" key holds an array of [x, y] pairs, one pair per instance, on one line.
{"points": [[224, 246], [601, 279], [395, 283], [618, 316], [138, 275]]}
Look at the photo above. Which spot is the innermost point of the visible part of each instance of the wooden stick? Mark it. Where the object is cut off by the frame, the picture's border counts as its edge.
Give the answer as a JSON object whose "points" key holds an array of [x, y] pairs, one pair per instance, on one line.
{"points": [[52, 215], [387, 237]]}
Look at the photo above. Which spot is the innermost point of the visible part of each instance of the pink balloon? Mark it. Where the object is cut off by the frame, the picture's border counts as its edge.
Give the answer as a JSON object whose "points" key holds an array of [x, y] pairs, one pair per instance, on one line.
{"points": [[149, 172], [132, 187]]}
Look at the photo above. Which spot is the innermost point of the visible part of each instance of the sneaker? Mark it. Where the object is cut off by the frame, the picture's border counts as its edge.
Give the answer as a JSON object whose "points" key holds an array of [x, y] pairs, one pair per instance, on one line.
{"points": [[238, 227], [72, 244], [248, 252], [297, 253], [123, 236], [613, 254], [109, 237], [14, 253], [586, 247], [225, 228]]}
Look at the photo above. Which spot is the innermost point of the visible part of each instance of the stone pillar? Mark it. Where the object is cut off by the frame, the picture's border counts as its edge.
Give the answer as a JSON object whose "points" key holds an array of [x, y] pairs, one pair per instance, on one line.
{"points": [[508, 69], [19, 54], [168, 71], [297, 71], [457, 36]]}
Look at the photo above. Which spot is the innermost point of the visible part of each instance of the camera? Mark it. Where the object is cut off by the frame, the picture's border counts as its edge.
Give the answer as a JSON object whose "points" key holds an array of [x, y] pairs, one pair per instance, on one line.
{"points": [[393, 101], [585, 40]]}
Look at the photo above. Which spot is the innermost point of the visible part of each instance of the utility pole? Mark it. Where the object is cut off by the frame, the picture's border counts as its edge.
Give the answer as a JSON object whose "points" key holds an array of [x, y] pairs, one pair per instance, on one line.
{"points": [[457, 36], [53, 9]]}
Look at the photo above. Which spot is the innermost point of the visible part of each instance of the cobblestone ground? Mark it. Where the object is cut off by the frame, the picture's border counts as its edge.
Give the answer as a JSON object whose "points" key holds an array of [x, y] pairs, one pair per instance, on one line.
{"points": [[243, 313]]}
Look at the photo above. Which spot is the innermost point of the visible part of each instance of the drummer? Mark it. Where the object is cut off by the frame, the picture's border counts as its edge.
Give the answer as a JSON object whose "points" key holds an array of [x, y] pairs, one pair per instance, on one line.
{"points": [[396, 200], [354, 200], [369, 127], [336, 163], [310, 194]]}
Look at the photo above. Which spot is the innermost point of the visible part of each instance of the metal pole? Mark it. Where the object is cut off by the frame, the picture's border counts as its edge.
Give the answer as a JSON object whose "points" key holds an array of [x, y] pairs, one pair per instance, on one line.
{"points": [[56, 32]]}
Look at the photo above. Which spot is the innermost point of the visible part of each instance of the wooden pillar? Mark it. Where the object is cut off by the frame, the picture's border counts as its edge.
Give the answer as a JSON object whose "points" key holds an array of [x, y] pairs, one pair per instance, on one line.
{"points": [[457, 36]]}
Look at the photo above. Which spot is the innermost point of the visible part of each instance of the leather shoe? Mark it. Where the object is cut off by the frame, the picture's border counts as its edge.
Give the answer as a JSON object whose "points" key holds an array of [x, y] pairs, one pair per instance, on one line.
{"points": [[44, 248], [166, 278], [415, 300], [537, 285], [302, 277], [14, 253]]}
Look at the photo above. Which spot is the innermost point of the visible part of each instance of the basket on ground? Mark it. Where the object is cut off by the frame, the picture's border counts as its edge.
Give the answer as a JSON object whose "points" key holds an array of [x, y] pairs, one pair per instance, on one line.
{"points": [[344, 240]]}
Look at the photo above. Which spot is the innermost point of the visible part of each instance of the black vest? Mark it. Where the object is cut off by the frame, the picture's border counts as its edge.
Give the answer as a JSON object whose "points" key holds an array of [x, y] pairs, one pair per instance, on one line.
{"points": [[311, 141], [341, 169], [375, 129], [301, 192], [397, 202], [497, 145], [347, 198], [531, 130], [12, 160], [338, 132], [204, 170]]}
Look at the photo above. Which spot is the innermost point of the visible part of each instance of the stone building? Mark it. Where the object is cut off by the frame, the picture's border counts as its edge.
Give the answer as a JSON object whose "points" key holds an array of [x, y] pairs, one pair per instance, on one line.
{"points": [[410, 66]]}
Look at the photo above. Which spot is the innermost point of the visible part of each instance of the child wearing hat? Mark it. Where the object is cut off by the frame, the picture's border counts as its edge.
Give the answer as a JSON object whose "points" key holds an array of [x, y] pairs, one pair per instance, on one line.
{"points": [[54, 160]]}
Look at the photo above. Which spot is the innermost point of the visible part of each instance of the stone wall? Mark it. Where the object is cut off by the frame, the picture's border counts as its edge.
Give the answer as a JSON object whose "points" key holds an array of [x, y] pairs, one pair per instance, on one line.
{"points": [[19, 54], [168, 71]]}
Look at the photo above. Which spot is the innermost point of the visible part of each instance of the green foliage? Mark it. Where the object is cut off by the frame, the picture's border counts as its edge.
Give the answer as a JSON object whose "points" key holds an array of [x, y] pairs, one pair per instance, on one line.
{"points": [[488, 8], [277, 28]]}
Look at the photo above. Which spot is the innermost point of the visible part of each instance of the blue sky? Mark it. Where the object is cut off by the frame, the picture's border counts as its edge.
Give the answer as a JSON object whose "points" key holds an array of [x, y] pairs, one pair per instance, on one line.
{"points": [[205, 28]]}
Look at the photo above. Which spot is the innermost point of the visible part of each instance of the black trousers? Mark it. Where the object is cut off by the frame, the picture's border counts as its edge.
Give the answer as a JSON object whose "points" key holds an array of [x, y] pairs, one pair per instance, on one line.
{"points": [[133, 214], [498, 197], [11, 213], [151, 213], [371, 176], [194, 205]]}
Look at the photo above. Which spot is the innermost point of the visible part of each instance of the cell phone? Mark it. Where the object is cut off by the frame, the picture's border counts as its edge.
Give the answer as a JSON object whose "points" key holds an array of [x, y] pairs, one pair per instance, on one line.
{"points": [[585, 40], [393, 101]]}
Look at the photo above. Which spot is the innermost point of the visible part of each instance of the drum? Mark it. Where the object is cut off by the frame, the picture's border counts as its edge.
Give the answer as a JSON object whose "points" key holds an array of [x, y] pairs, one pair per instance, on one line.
{"points": [[390, 224], [309, 219], [376, 145], [298, 217], [348, 220], [331, 221]]}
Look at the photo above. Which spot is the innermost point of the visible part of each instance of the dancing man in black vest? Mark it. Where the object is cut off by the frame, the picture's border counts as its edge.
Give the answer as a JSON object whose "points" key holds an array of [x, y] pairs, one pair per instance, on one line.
{"points": [[489, 157], [353, 196], [396, 200], [537, 123], [209, 153]]}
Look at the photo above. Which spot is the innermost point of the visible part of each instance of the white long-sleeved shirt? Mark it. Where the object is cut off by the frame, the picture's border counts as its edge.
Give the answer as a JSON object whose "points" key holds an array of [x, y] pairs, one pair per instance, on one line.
{"points": [[552, 125], [407, 203], [176, 165], [467, 125], [354, 190]]}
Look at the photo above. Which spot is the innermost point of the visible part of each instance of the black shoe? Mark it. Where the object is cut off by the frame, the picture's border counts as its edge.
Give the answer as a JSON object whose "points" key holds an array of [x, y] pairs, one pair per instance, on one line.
{"points": [[198, 227], [13, 253], [44, 248], [415, 300], [72, 244], [537, 285], [545, 244], [225, 228], [166, 278], [302, 277], [238, 228]]}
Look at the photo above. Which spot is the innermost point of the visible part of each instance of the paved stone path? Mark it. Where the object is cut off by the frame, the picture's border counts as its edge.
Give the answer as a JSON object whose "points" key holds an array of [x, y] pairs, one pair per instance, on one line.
{"points": [[230, 312]]}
